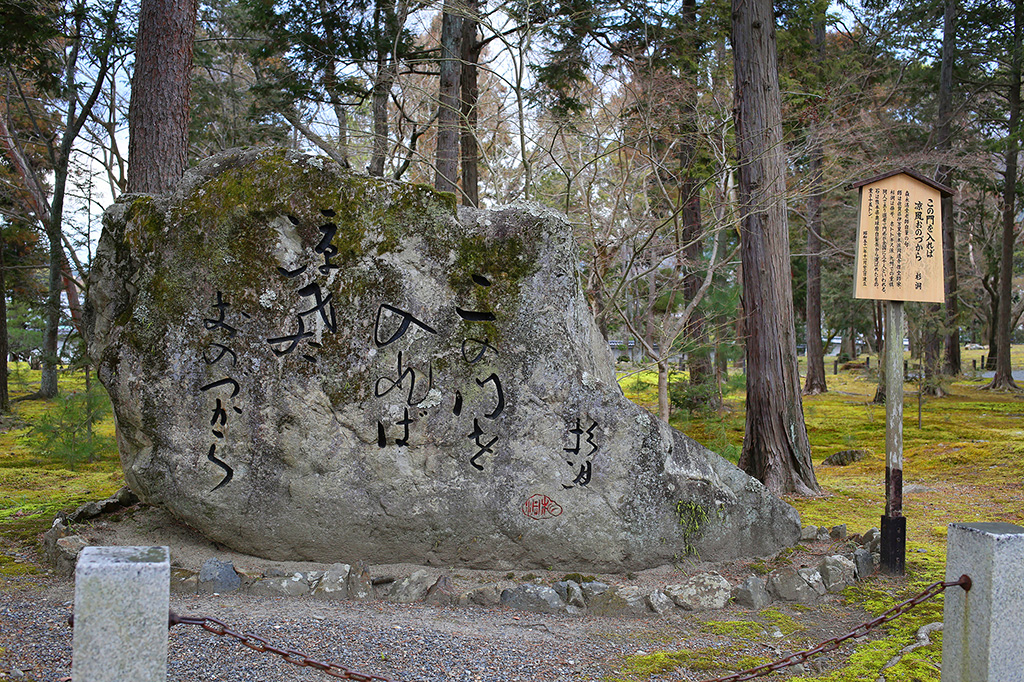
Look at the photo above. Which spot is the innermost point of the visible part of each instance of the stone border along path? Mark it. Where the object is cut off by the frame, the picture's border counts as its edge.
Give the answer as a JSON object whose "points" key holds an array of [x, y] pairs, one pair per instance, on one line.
{"points": [[702, 591]]}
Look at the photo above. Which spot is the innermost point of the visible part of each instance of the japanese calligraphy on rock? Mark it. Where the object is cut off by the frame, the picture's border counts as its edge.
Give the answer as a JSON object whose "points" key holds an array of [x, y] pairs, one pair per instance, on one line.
{"points": [[309, 364]]}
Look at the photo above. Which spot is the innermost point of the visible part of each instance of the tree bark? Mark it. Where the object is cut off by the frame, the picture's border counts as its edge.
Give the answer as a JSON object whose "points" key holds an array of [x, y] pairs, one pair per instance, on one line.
{"points": [[5, 398], [952, 365], [776, 449], [702, 373], [448, 102], [1003, 378], [815, 382], [470, 95], [158, 114]]}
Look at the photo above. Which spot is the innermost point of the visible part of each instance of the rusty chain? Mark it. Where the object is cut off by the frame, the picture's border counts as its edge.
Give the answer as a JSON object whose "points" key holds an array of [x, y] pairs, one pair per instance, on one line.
{"points": [[300, 659], [255, 643], [861, 630]]}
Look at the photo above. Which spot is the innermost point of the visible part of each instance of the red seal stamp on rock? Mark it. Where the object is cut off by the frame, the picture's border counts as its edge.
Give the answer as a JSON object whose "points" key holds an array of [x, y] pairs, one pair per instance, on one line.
{"points": [[541, 507]]}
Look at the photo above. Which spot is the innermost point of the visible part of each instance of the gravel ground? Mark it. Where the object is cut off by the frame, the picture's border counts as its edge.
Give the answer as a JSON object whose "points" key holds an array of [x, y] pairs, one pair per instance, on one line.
{"points": [[399, 642], [406, 642], [413, 642]]}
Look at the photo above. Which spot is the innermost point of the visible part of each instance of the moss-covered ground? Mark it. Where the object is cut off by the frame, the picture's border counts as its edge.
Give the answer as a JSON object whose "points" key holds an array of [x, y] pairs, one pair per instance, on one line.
{"points": [[34, 486], [964, 461]]}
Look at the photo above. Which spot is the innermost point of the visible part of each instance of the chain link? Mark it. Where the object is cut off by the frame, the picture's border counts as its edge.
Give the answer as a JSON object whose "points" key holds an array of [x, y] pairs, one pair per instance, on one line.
{"points": [[861, 630], [255, 643]]}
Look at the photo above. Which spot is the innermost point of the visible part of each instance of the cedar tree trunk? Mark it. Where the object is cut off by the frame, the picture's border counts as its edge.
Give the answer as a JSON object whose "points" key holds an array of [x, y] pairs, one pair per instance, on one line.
{"points": [[775, 448]]}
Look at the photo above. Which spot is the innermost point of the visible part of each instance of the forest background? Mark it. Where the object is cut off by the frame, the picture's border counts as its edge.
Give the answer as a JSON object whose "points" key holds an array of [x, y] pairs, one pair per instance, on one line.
{"points": [[620, 114]]}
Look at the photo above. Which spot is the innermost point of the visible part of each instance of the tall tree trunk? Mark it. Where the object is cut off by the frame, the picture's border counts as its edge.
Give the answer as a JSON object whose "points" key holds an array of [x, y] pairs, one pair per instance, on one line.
{"points": [[448, 101], [1004, 372], [158, 114], [5, 397], [952, 364], [702, 373], [469, 95], [776, 449], [815, 382]]}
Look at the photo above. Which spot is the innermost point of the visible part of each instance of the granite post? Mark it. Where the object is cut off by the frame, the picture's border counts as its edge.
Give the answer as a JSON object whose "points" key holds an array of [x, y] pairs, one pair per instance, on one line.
{"points": [[983, 630], [121, 609]]}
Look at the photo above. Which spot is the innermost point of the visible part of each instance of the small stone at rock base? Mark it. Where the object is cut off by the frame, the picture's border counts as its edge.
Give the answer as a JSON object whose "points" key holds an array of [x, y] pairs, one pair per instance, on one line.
{"points": [[485, 595], [838, 532], [701, 592], [785, 584], [593, 589], [864, 565], [619, 601], [218, 576], [360, 584], [837, 572], [539, 598], [411, 589], [57, 531], [441, 593], [844, 458], [659, 602], [808, 534], [67, 550], [281, 586], [334, 583], [570, 593], [813, 578], [184, 581], [752, 593]]}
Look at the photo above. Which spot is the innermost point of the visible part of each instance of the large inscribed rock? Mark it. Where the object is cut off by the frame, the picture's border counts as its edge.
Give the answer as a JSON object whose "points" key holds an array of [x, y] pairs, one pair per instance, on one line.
{"points": [[310, 364]]}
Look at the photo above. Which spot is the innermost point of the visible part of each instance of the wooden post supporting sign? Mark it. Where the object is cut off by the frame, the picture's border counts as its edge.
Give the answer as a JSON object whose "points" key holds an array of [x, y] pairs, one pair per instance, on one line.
{"points": [[899, 258]]}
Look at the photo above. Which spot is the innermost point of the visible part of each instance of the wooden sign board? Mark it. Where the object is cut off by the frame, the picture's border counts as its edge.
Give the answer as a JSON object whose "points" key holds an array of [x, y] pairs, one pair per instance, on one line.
{"points": [[899, 239]]}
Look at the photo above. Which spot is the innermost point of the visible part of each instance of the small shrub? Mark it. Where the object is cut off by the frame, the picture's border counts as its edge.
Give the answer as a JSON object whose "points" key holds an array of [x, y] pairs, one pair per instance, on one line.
{"points": [[65, 434]]}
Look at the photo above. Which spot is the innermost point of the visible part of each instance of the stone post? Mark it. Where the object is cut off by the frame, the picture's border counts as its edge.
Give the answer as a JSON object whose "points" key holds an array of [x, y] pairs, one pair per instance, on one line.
{"points": [[121, 609], [983, 630]]}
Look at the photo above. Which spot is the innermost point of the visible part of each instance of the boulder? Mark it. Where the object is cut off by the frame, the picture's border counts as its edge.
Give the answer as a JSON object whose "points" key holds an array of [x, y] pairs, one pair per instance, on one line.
{"points": [[308, 364], [701, 592], [539, 598]]}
